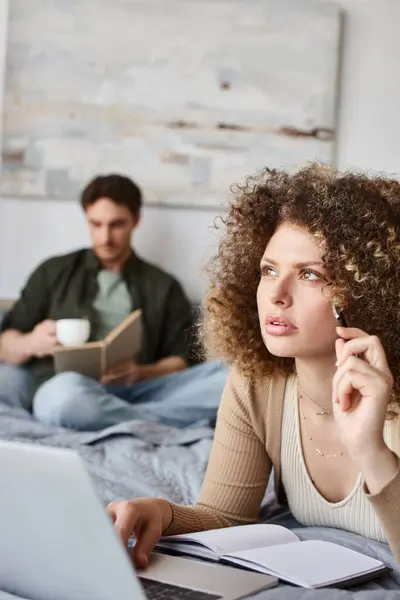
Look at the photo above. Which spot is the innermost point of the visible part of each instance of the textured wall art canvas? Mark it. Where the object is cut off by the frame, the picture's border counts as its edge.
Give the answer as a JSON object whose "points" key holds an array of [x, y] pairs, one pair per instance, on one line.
{"points": [[185, 96]]}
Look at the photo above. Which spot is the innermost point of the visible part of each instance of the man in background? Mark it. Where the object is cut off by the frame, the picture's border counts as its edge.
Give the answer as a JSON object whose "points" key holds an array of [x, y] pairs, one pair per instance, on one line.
{"points": [[105, 284]]}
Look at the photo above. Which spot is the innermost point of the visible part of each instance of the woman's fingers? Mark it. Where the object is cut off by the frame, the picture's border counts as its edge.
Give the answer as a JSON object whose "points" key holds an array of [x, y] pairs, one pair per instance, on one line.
{"points": [[366, 384], [147, 539], [367, 345], [349, 333], [350, 382], [341, 394], [354, 377], [140, 518], [125, 519]]}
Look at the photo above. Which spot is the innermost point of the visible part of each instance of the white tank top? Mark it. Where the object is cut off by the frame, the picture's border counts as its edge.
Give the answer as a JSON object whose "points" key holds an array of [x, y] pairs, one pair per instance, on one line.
{"points": [[355, 513]]}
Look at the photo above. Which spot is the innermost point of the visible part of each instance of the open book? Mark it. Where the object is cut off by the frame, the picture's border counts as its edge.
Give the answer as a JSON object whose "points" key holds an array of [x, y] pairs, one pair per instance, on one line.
{"points": [[94, 359], [275, 550]]}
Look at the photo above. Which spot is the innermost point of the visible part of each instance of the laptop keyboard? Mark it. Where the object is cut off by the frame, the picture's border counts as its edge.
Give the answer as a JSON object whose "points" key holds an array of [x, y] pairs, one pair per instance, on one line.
{"points": [[158, 590]]}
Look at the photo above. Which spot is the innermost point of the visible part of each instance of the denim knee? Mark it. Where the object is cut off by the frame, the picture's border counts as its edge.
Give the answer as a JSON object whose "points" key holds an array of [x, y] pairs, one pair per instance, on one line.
{"points": [[15, 385], [61, 402]]}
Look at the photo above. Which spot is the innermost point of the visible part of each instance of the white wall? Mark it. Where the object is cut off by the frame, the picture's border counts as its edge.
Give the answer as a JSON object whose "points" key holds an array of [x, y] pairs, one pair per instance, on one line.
{"points": [[369, 119], [180, 240]]}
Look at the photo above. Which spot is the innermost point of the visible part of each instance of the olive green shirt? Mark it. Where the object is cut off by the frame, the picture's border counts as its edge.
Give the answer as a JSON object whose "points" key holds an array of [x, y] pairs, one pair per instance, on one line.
{"points": [[67, 286]]}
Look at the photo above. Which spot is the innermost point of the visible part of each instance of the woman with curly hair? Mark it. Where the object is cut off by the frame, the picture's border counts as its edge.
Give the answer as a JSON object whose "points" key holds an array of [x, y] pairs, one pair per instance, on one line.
{"points": [[315, 401]]}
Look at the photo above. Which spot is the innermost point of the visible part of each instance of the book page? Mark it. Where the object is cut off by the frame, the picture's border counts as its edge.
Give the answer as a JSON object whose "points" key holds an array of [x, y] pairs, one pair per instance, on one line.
{"points": [[310, 564], [85, 359], [125, 341], [232, 539]]}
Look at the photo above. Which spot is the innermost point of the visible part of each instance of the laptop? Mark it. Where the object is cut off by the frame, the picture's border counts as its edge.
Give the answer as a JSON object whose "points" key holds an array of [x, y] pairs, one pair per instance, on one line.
{"points": [[58, 543]]}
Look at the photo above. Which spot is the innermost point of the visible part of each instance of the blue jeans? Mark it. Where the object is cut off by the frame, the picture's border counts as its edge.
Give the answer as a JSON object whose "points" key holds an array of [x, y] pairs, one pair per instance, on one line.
{"points": [[182, 399], [16, 384]]}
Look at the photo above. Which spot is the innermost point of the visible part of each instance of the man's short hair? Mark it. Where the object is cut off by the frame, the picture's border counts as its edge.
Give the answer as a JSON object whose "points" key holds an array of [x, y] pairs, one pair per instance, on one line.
{"points": [[120, 189]]}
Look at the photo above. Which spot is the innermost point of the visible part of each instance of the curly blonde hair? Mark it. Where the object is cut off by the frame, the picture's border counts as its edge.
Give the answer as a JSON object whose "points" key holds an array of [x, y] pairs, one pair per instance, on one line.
{"points": [[354, 218]]}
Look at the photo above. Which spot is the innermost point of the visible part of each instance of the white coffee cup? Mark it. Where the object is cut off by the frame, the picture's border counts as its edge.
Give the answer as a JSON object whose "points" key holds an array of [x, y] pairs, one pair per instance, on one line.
{"points": [[72, 332]]}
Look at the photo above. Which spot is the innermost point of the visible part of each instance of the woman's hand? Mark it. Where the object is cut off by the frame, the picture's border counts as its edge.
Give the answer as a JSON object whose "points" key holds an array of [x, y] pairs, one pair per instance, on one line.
{"points": [[361, 391], [146, 519]]}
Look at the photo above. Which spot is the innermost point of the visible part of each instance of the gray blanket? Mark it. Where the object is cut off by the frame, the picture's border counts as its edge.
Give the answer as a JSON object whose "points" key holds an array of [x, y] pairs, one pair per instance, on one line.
{"points": [[139, 459], [128, 460]]}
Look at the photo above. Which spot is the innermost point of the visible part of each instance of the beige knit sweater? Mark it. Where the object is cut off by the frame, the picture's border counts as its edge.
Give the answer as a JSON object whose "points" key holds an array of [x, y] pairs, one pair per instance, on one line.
{"points": [[247, 444]]}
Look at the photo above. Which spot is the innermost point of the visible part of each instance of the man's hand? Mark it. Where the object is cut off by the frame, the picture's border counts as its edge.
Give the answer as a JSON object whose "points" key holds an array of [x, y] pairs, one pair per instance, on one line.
{"points": [[124, 373], [42, 340], [128, 372]]}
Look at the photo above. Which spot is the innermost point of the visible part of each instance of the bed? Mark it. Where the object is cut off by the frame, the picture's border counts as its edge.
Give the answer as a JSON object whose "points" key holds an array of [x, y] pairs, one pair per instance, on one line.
{"points": [[138, 459], [146, 459]]}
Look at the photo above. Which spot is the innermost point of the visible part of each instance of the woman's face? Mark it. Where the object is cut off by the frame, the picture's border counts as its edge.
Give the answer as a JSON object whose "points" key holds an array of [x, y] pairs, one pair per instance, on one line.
{"points": [[296, 317]]}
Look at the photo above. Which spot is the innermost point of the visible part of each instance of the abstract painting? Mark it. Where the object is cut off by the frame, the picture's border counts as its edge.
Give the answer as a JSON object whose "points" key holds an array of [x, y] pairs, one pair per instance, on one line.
{"points": [[186, 97]]}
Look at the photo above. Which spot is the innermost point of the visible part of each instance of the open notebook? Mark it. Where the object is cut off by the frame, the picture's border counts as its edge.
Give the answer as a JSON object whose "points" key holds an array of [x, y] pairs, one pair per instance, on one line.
{"points": [[277, 551], [94, 359]]}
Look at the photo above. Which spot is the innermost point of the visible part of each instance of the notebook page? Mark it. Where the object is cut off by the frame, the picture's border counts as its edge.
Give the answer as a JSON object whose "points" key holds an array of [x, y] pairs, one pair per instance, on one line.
{"points": [[310, 564], [124, 342], [242, 537]]}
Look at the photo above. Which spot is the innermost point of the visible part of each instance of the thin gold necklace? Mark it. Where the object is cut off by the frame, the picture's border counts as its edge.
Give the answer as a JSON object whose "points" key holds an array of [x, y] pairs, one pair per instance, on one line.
{"points": [[309, 437], [323, 410]]}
